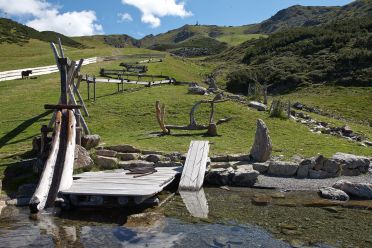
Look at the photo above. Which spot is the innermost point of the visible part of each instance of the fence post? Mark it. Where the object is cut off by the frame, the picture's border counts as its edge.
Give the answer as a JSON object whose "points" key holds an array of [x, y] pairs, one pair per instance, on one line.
{"points": [[122, 85], [94, 87], [78, 129]]}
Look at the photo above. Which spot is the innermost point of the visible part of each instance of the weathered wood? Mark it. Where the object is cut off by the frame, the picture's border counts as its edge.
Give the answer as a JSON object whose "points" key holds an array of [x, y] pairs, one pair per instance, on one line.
{"points": [[196, 203], [160, 116], [61, 106], [68, 165], [61, 48], [194, 170], [94, 88], [39, 199], [117, 183], [63, 71]]}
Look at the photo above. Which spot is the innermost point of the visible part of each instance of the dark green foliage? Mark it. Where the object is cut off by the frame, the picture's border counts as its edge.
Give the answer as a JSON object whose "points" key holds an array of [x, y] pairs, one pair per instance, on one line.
{"points": [[278, 109], [13, 32], [336, 53]]}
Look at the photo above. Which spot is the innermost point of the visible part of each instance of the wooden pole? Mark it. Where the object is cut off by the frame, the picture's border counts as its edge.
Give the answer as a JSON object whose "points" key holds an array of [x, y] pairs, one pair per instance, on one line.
{"points": [[78, 129], [94, 87], [88, 85], [63, 70]]}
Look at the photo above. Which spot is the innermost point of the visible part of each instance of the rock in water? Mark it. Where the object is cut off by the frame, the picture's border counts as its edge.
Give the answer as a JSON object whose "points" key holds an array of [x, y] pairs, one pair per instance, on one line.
{"points": [[262, 146], [245, 177], [333, 194], [359, 190]]}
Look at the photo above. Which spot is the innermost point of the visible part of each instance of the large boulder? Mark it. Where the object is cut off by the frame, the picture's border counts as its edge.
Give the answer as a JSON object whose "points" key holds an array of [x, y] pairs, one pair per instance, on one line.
{"points": [[124, 149], [219, 177], [261, 167], [26, 190], [333, 194], [303, 168], [318, 174], [262, 146], [153, 158], [90, 141], [106, 162], [82, 158], [244, 177], [283, 168], [351, 165], [358, 190], [257, 105]]}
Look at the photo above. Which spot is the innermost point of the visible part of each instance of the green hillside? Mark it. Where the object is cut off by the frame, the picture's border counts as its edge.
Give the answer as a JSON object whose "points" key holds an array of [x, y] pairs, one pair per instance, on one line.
{"points": [[12, 32], [305, 16]]}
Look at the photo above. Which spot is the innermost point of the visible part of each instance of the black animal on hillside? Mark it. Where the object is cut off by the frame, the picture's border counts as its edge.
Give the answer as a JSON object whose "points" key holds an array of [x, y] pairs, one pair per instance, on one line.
{"points": [[26, 74]]}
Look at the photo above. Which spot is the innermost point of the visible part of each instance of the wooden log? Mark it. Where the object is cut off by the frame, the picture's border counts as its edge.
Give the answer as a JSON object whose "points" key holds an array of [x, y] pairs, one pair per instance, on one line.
{"points": [[39, 199], [63, 71], [94, 87], [61, 48], [76, 91], [68, 165], [160, 113], [192, 177]]}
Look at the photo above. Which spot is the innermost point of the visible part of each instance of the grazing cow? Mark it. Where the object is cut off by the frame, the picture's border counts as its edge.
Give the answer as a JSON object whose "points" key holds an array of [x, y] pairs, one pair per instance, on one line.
{"points": [[26, 74]]}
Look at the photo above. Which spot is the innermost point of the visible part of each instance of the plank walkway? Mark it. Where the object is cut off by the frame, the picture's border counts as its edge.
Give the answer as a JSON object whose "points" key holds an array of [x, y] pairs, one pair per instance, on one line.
{"points": [[194, 170], [118, 183]]}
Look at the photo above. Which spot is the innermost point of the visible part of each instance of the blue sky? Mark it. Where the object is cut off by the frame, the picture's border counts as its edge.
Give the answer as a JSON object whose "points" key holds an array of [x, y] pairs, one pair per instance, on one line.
{"points": [[142, 17]]}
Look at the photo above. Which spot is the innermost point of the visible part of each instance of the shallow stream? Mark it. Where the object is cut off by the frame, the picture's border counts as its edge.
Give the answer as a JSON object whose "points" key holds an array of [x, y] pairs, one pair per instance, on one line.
{"points": [[236, 218]]}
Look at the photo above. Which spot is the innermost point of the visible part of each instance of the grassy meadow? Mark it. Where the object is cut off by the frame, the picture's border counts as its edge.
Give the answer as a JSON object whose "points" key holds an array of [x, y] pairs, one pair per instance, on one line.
{"points": [[129, 117]]}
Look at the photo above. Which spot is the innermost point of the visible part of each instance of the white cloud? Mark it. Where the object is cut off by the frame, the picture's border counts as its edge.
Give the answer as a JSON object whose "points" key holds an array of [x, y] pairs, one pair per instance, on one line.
{"points": [[125, 17], [43, 16], [153, 10]]}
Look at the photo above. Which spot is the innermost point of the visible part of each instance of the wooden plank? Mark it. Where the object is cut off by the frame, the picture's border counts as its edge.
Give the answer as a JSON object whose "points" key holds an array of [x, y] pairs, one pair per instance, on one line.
{"points": [[61, 106], [194, 170], [38, 200], [196, 203]]}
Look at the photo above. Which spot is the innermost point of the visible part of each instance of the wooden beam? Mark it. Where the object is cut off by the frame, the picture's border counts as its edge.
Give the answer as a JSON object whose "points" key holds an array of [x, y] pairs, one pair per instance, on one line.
{"points": [[62, 106]]}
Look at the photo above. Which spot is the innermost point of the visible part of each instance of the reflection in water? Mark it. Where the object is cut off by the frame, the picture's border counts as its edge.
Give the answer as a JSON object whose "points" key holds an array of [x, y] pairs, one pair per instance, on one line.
{"points": [[196, 203]]}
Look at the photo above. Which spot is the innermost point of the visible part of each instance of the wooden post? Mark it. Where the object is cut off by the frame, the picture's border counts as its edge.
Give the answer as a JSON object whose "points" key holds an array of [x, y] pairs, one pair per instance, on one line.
{"points": [[43, 140], [94, 87], [63, 69], [88, 85], [122, 85], [78, 128]]}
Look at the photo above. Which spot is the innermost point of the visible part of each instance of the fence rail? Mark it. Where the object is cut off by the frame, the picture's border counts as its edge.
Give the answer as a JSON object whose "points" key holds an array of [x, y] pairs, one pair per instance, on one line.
{"points": [[37, 71]]}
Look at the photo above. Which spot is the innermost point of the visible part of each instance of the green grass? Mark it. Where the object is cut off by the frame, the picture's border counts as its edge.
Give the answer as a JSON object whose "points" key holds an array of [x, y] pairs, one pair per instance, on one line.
{"points": [[235, 39], [129, 117], [352, 103], [37, 53]]}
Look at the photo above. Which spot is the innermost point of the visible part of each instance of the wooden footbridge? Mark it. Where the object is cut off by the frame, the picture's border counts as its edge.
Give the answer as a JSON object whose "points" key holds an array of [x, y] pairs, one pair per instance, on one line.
{"points": [[134, 186]]}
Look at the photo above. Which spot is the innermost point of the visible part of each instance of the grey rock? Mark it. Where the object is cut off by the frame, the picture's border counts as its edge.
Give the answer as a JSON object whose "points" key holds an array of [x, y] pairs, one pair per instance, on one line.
{"points": [[220, 165], [128, 156], [238, 157], [106, 162], [124, 149], [303, 168], [26, 190], [318, 162], [349, 161], [282, 168], [106, 153], [261, 167], [245, 177], [198, 90], [332, 167], [168, 164], [19, 202], [257, 105], [175, 156], [262, 146], [359, 190], [333, 194], [318, 174], [82, 158], [90, 141], [220, 158], [219, 177], [351, 172], [153, 158], [126, 165]]}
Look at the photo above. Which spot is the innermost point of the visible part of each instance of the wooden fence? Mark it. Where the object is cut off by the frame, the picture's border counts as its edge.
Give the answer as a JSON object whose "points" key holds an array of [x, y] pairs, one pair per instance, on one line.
{"points": [[17, 74]]}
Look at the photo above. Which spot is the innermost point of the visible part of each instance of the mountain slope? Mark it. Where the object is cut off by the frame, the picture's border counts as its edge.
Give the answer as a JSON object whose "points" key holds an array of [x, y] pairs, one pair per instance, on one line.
{"points": [[302, 16], [14, 32]]}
